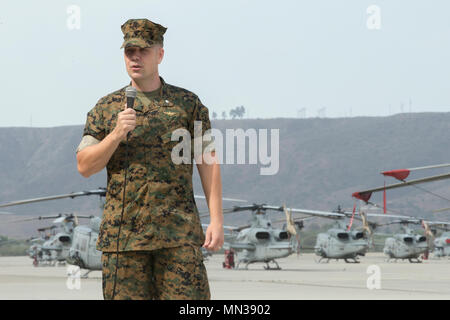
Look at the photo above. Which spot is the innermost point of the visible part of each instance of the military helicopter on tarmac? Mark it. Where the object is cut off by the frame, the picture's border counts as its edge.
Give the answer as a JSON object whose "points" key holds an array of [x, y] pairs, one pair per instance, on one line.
{"points": [[442, 245], [54, 249], [35, 251], [340, 243], [77, 244], [407, 245], [260, 242]]}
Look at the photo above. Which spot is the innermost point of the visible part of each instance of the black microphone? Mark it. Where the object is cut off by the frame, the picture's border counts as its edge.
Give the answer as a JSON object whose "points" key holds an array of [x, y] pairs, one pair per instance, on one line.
{"points": [[130, 93]]}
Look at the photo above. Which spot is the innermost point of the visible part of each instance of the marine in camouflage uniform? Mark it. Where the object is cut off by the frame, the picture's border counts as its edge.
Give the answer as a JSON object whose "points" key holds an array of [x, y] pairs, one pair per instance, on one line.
{"points": [[160, 232]]}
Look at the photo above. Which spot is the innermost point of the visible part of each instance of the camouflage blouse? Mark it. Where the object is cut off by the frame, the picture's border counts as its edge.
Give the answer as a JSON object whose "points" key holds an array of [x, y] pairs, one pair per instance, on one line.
{"points": [[160, 210]]}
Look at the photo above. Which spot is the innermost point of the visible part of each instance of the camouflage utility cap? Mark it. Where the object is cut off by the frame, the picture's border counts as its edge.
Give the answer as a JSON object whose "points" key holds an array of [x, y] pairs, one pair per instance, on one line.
{"points": [[142, 33]]}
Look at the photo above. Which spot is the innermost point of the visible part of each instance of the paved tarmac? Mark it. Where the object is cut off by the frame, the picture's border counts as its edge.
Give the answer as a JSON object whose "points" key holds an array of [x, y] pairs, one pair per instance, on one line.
{"points": [[301, 277]]}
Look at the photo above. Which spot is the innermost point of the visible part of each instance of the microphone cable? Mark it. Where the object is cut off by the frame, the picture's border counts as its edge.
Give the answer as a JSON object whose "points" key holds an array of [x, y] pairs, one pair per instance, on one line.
{"points": [[121, 217]]}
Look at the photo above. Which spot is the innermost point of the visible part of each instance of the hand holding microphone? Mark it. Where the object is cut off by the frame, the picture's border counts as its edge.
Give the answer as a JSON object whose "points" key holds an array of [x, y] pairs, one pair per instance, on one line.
{"points": [[126, 120]]}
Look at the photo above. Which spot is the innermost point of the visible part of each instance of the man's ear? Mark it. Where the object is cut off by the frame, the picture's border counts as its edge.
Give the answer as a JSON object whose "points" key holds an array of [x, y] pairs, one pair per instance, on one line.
{"points": [[161, 55]]}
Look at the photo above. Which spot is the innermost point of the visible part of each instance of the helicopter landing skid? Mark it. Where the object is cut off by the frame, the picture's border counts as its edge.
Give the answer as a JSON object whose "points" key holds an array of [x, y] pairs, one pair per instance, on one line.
{"points": [[354, 260], [391, 260], [268, 267], [323, 258], [416, 260]]}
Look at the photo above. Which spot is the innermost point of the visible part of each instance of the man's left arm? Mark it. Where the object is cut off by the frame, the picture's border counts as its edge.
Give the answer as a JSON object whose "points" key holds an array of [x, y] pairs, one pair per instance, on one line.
{"points": [[209, 171]]}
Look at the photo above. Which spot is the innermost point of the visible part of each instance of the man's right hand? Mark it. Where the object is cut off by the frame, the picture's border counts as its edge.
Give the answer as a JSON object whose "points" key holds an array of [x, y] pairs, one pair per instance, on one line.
{"points": [[126, 122], [94, 158]]}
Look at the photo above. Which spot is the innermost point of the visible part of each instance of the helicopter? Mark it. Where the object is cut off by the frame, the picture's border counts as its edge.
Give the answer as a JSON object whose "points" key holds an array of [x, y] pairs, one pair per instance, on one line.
{"points": [[35, 251], [442, 245], [53, 249], [340, 243], [77, 244], [408, 244], [260, 242]]}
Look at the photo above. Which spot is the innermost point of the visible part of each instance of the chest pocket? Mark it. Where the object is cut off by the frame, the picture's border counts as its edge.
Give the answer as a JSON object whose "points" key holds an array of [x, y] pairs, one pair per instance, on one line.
{"points": [[171, 118]]}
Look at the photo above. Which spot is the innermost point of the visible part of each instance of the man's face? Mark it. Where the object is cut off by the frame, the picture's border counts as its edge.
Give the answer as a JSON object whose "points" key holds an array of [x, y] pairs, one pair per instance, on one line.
{"points": [[142, 63]]}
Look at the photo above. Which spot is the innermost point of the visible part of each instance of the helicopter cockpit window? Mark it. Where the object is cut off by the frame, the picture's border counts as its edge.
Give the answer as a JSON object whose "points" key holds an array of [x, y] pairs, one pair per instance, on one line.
{"points": [[408, 239], [358, 235], [262, 235], [64, 239], [342, 236], [422, 239], [283, 235]]}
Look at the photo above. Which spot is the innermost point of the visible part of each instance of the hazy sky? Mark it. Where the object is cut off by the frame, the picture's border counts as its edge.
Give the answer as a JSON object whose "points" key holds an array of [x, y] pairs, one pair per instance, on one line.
{"points": [[273, 57]]}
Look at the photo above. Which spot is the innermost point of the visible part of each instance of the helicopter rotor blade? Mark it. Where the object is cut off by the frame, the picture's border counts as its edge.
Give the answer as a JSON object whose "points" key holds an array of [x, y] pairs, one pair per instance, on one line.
{"points": [[325, 214], [389, 216], [5, 212], [46, 228], [100, 192], [205, 214], [402, 174], [230, 228], [296, 219], [60, 219], [253, 207], [366, 194], [36, 218], [224, 199], [441, 210], [409, 220], [75, 216], [438, 224]]}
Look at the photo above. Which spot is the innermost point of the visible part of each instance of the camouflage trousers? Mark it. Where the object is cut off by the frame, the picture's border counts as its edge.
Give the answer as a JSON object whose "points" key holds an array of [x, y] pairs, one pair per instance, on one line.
{"points": [[164, 274]]}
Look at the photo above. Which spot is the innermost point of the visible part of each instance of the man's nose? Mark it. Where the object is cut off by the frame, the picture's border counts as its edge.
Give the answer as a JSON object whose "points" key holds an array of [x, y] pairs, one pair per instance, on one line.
{"points": [[135, 56]]}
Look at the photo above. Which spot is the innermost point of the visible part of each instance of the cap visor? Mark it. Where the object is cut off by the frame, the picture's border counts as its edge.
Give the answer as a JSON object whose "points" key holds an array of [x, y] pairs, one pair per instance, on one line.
{"points": [[136, 42]]}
